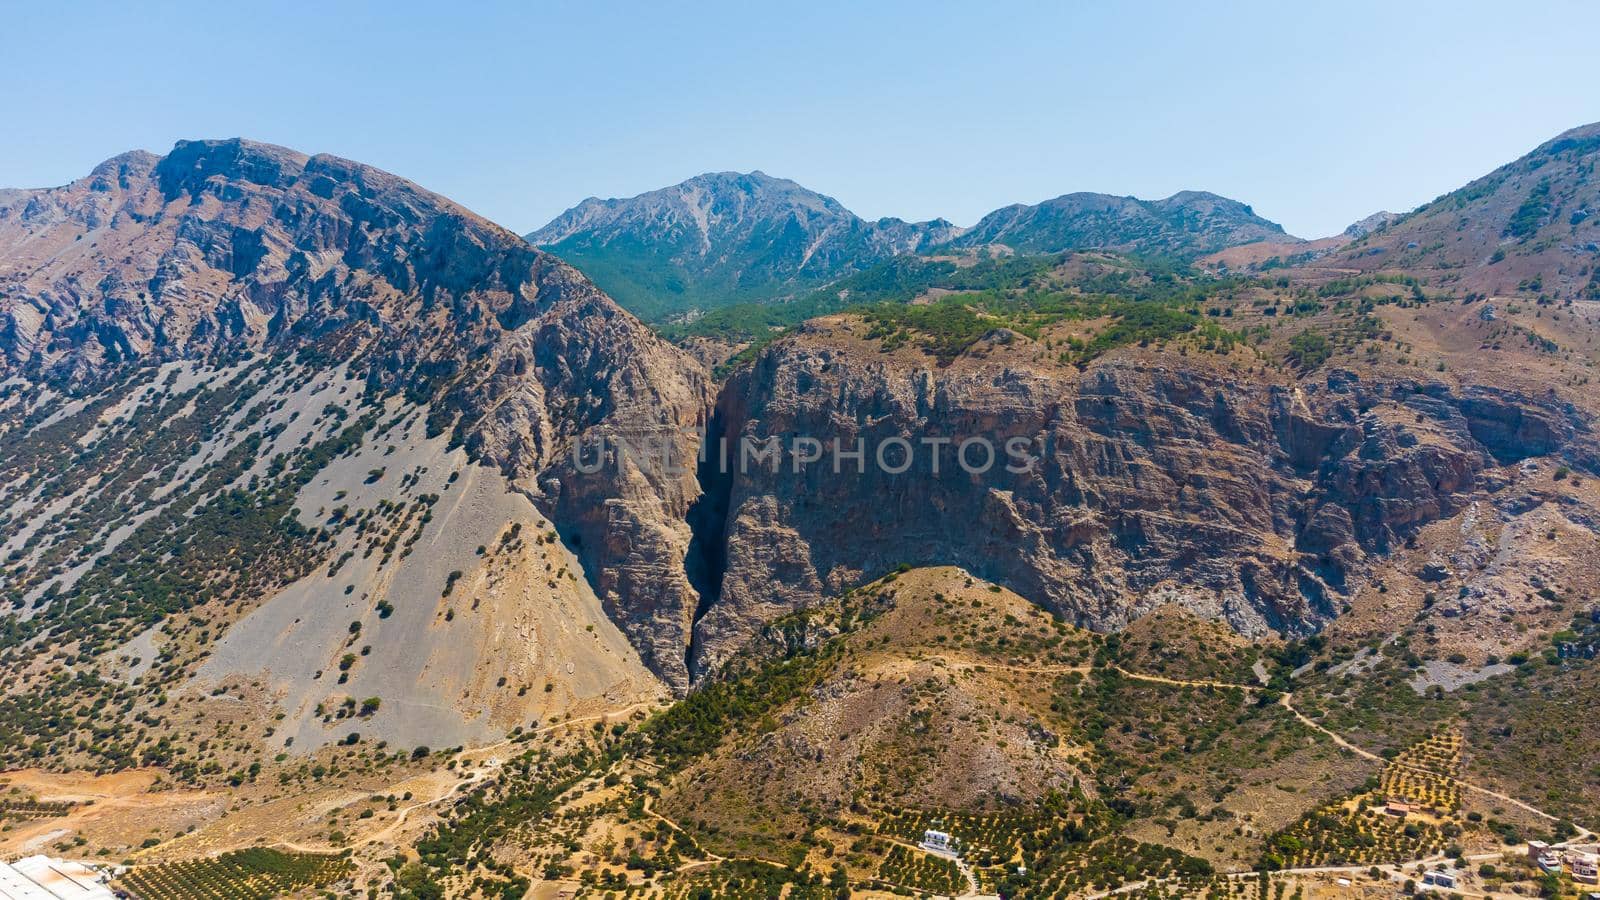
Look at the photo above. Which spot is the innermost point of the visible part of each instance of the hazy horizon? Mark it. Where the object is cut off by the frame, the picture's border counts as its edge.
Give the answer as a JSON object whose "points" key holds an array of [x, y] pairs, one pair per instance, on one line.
{"points": [[1316, 118]]}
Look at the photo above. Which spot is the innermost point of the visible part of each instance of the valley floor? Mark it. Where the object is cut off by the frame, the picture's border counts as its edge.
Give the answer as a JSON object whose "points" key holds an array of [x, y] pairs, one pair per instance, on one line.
{"points": [[584, 806]]}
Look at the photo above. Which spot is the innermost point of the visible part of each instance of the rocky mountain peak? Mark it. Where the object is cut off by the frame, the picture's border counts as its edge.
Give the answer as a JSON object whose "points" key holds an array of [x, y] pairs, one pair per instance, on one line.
{"points": [[192, 163], [1583, 139], [724, 237], [1188, 223], [237, 245], [1376, 222], [1532, 226]]}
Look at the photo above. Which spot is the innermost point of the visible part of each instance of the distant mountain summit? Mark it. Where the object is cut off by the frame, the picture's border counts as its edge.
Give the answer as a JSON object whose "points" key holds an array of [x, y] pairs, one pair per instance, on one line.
{"points": [[722, 238], [726, 238], [1187, 224], [1532, 225]]}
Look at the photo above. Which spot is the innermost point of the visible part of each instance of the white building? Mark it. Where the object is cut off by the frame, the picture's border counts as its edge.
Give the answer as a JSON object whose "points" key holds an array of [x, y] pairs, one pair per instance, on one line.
{"points": [[43, 878], [937, 841], [1439, 879], [1584, 867]]}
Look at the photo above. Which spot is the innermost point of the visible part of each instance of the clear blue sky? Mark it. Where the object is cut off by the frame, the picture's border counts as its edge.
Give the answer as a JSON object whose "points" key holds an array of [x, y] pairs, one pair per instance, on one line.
{"points": [[1316, 114]]}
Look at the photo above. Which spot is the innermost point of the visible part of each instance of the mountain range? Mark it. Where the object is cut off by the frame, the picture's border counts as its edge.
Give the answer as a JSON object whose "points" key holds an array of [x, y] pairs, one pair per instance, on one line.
{"points": [[336, 518], [725, 238]]}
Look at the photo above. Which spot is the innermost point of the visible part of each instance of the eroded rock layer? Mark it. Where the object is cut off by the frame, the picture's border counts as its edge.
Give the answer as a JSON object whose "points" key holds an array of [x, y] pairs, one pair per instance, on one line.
{"points": [[1151, 479]]}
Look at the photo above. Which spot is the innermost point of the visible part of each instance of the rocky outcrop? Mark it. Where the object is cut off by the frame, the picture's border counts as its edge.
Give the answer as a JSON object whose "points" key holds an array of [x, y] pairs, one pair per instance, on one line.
{"points": [[1151, 480], [1513, 427], [1365, 226]]}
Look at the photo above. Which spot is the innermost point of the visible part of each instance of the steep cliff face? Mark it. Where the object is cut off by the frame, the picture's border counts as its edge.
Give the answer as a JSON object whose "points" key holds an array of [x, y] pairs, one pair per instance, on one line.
{"points": [[604, 383], [1151, 479]]}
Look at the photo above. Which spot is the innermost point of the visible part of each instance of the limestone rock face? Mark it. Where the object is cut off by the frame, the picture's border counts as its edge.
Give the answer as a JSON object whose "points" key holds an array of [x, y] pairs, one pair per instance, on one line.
{"points": [[558, 391], [1154, 479]]}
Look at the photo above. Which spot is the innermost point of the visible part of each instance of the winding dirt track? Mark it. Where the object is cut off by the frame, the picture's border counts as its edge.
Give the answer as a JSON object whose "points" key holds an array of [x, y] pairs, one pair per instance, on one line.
{"points": [[1287, 702]]}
